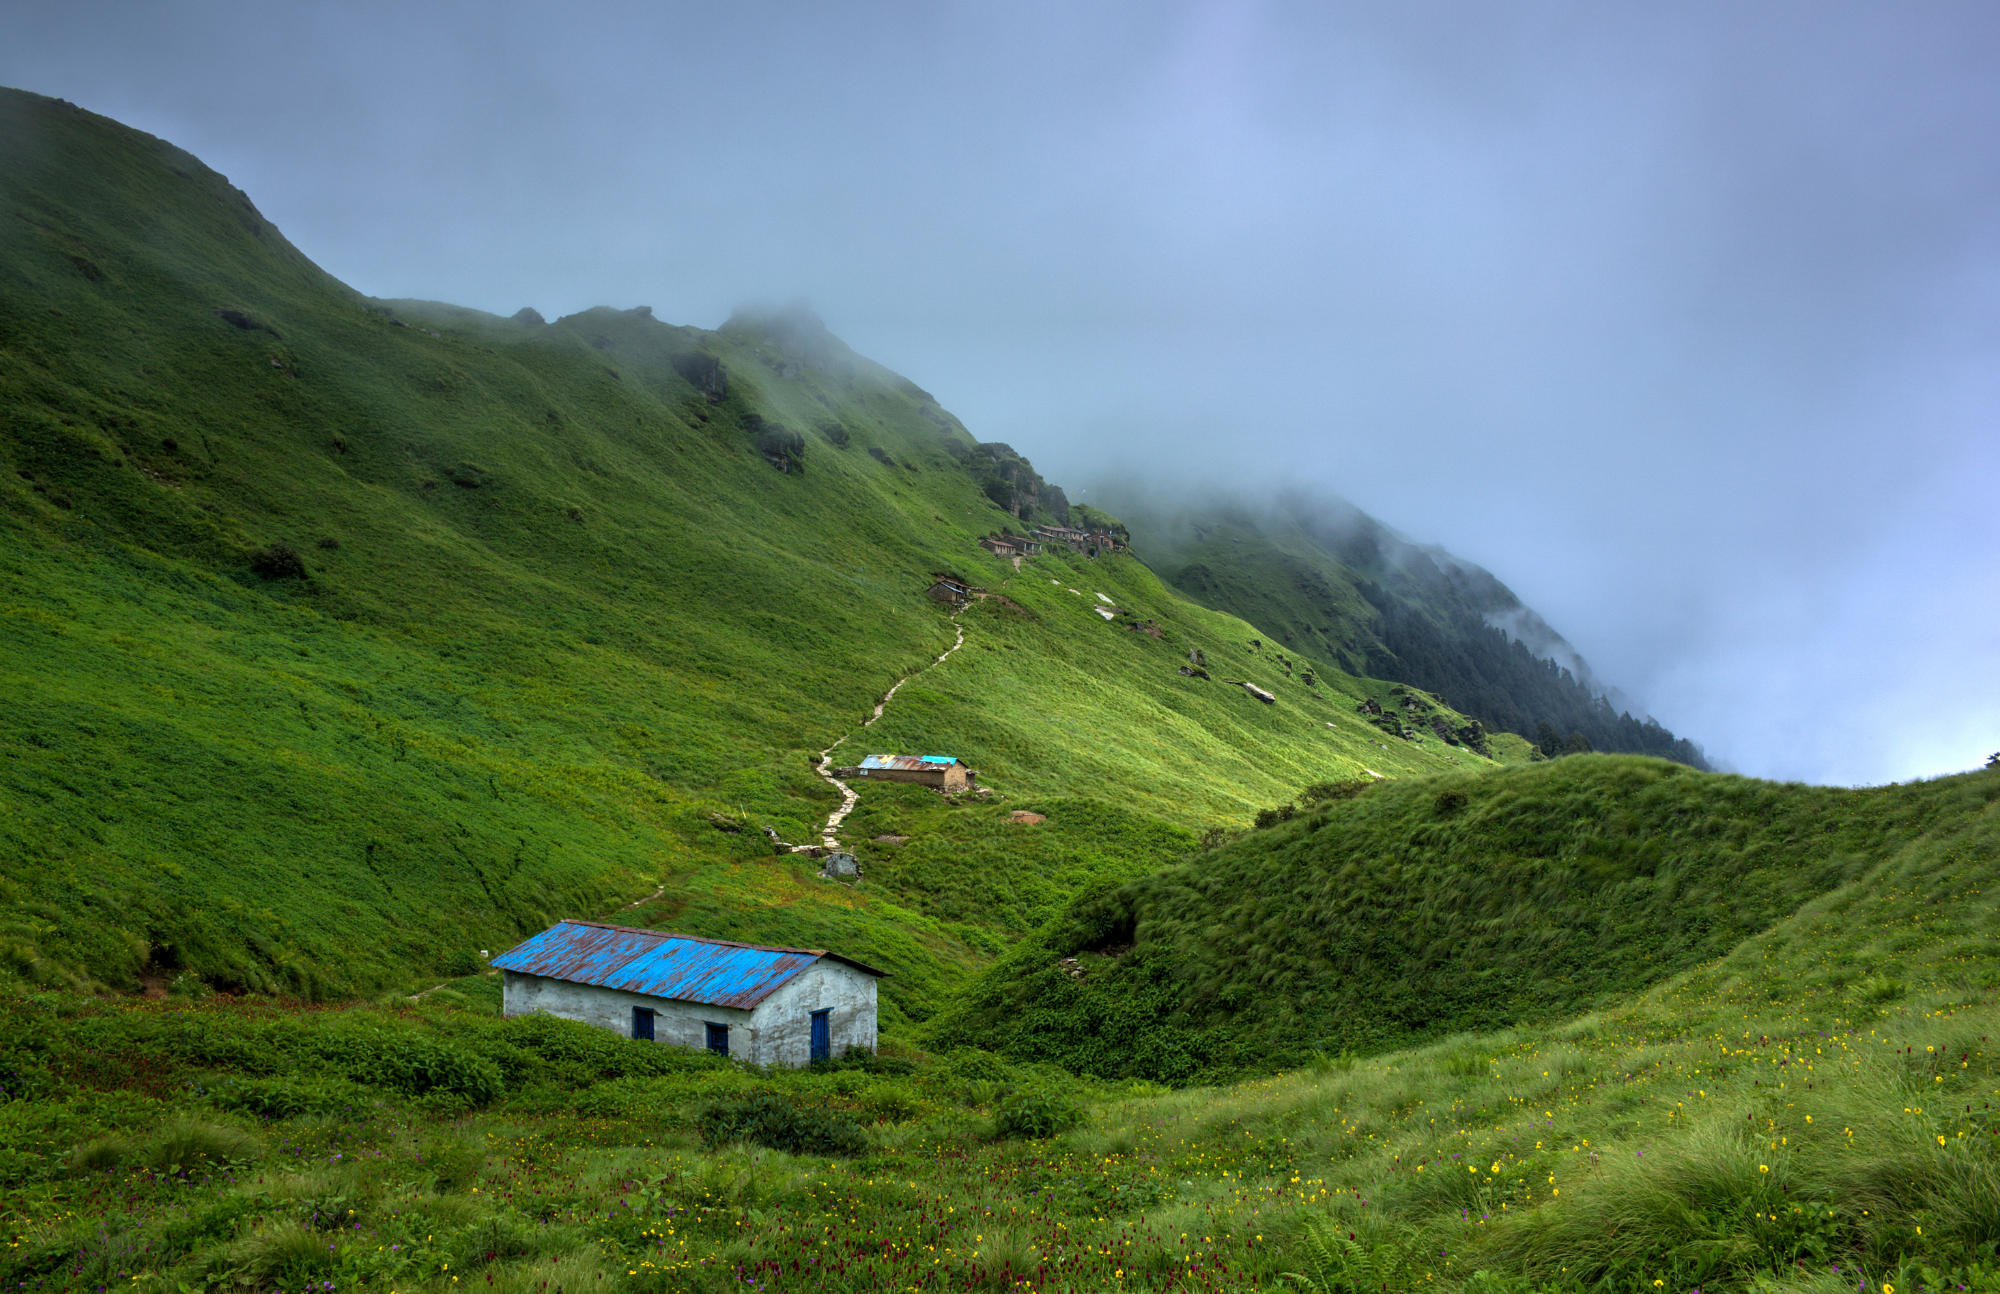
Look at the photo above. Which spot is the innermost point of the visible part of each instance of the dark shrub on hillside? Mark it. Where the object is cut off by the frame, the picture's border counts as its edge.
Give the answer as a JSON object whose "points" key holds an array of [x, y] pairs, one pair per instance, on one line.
{"points": [[1329, 792], [835, 434], [280, 561], [1448, 802], [1038, 1110], [1272, 817], [767, 1120]]}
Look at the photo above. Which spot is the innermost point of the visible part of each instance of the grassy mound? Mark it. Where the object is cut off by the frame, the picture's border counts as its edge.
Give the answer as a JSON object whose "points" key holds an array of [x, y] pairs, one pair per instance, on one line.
{"points": [[1421, 908]]}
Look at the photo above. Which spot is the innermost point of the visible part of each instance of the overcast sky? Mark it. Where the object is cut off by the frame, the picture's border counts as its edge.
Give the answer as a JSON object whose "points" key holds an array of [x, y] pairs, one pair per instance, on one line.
{"points": [[1683, 318]]}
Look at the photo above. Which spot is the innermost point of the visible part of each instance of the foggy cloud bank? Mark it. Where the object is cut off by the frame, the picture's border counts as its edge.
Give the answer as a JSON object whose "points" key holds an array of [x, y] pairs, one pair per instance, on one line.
{"points": [[1680, 319]]}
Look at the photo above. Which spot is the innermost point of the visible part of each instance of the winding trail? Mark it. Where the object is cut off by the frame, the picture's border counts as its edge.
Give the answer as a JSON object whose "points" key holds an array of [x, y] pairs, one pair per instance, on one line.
{"points": [[848, 795]]}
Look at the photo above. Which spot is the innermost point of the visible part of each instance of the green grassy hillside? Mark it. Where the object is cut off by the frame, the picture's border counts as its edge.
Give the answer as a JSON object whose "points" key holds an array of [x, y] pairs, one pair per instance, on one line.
{"points": [[1426, 907], [1335, 584], [352, 637], [1808, 1114]]}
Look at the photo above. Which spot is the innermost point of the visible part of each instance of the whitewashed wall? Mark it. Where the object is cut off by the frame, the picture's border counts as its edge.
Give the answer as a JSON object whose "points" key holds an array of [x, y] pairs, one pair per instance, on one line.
{"points": [[778, 1032]]}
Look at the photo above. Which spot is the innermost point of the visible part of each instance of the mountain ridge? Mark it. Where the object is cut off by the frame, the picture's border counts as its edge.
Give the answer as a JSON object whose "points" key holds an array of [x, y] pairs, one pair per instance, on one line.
{"points": [[1335, 583]]}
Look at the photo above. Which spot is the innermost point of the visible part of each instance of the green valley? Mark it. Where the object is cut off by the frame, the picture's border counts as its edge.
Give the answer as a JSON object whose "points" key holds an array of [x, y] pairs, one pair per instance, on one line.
{"points": [[348, 641]]}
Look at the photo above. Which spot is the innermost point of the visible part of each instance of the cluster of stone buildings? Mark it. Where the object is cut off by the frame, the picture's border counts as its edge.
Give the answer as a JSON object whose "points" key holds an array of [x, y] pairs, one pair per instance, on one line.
{"points": [[1088, 542]]}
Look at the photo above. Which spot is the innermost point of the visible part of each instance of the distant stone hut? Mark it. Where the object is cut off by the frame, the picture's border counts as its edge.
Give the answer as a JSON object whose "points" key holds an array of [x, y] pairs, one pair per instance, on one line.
{"points": [[944, 772], [950, 592], [1010, 545], [770, 1006]]}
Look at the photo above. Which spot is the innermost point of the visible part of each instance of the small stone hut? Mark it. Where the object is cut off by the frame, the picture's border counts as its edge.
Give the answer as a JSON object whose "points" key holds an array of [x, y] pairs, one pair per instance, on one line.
{"points": [[769, 1006], [950, 592], [1010, 545], [944, 772]]}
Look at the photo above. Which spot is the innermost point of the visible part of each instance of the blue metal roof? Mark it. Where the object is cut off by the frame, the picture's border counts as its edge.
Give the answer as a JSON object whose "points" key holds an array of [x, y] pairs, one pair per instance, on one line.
{"points": [[905, 762], [658, 964]]}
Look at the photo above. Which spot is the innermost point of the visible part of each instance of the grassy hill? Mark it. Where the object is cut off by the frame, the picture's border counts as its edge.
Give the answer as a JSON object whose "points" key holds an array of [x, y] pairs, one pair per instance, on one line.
{"points": [[1422, 908], [356, 636], [1335, 584]]}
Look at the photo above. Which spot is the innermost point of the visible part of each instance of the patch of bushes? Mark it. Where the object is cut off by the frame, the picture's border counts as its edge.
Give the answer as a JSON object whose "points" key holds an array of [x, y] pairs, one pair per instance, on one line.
{"points": [[767, 1120], [280, 561], [407, 1061], [892, 1103], [1035, 1111], [287, 1098]]}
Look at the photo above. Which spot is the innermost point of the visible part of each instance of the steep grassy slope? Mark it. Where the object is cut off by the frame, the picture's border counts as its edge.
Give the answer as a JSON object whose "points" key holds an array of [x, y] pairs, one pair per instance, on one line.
{"points": [[1421, 908], [352, 637], [1335, 584]]}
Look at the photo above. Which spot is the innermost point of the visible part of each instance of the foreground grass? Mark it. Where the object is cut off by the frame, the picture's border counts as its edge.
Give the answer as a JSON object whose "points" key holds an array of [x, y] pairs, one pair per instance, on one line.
{"points": [[1813, 1110]]}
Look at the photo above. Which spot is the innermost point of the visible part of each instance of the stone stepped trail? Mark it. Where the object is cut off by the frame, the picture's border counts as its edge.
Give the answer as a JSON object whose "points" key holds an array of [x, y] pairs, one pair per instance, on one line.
{"points": [[848, 796]]}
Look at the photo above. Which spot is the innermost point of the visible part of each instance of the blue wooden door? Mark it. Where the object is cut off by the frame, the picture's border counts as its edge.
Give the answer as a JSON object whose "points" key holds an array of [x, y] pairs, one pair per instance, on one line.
{"points": [[642, 1023], [822, 1037]]}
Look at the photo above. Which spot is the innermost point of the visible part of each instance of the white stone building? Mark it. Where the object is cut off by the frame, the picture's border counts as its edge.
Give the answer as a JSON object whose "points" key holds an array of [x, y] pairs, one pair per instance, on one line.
{"points": [[770, 1006]]}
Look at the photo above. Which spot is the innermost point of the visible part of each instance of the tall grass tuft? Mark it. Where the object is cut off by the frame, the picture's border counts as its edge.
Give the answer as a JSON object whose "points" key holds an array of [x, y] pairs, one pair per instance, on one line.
{"points": [[187, 1146]]}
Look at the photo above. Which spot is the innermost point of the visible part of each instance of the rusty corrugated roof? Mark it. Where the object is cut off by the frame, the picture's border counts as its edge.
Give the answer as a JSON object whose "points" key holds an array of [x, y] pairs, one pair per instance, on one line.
{"points": [[658, 964], [910, 763]]}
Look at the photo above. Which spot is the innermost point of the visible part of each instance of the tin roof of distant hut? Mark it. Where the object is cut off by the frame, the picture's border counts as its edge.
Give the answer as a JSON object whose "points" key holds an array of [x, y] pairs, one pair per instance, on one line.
{"points": [[684, 968], [909, 763]]}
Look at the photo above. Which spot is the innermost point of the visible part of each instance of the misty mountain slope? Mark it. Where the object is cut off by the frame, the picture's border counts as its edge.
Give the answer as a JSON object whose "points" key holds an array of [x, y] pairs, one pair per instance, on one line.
{"points": [[1334, 583], [352, 637], [1418, 909]]}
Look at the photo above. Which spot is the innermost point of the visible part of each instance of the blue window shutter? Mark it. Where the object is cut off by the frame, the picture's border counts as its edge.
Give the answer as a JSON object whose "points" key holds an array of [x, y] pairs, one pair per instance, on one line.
{"points": [[642, 1023], [718, 1039]]}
